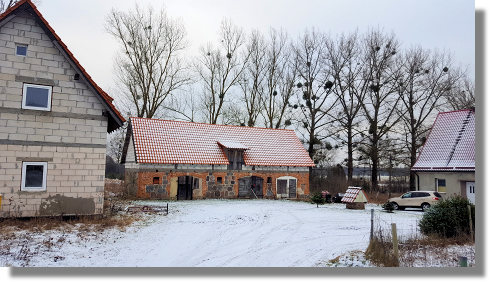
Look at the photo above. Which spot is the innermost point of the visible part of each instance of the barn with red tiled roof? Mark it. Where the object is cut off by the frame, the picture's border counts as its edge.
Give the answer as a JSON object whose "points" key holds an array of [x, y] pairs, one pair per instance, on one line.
{"points": [[186, 160], [446, 162]]}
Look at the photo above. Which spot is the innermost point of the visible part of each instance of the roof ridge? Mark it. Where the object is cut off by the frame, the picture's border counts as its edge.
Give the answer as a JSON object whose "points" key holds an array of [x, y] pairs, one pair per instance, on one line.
{"points": [[213, 124]]}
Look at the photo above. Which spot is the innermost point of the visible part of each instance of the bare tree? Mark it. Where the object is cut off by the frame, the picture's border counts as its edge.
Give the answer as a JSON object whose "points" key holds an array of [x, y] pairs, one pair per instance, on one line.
{"points": [[220, 69], [149, 66], [423, 80], [253, 77], [344, 59], [461, 96], [184, 106], [115, 143], [280, 77], [6, 4], [378, 91], [309, 52]]}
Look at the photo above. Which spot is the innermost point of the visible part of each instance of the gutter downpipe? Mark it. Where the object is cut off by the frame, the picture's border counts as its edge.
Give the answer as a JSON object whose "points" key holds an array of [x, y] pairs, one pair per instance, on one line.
{"points": [[418, 180]]}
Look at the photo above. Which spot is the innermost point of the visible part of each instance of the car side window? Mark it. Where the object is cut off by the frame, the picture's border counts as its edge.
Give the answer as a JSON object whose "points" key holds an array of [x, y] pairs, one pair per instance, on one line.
{"points": [[425, 194]]}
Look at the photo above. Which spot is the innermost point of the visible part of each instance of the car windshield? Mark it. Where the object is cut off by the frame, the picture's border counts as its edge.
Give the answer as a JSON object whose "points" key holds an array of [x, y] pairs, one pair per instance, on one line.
{"points": [[407, 195]]}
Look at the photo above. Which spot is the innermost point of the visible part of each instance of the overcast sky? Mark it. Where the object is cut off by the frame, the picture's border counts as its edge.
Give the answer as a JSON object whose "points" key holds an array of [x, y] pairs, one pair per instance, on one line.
{"points": [[442, 24]]}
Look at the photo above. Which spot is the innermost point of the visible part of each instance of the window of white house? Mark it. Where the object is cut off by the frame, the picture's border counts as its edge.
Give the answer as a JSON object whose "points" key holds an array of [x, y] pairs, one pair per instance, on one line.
{"points": [[21, 50], [36, 97], [34, 176]]}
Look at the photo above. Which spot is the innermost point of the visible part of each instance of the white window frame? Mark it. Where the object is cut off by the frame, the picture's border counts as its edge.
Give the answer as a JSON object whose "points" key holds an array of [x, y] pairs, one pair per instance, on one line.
{"points": [[21, 45], [24, 96], [288, 178], [45, 173]]}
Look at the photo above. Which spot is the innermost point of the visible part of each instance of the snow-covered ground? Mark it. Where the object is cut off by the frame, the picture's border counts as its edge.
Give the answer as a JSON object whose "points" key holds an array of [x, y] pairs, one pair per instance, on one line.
{"points": [[238, 233]]}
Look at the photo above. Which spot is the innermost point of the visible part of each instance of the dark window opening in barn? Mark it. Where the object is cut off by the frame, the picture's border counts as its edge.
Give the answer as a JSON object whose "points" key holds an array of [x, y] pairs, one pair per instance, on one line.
{"points": [[219, 180], [156, 180], [269, 179], [235, 157], [196, 183]]}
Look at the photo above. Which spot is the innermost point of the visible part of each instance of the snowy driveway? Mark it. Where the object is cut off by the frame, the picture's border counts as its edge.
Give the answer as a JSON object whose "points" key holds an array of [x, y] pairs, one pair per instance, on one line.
{"points": [[232, 233]]}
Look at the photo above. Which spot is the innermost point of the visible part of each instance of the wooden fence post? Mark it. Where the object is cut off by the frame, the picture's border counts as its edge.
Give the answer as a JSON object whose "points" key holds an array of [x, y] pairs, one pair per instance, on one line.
{"points": [[371, 236], [395, 239], [471, 223]]}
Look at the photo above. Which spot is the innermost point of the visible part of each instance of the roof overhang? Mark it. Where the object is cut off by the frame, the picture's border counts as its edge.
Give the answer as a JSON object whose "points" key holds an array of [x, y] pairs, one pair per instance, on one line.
{"points": [[232, 145]]}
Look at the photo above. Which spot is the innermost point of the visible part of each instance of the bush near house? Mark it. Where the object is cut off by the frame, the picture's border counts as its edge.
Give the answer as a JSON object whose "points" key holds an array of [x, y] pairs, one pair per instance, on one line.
{"points": [[448, 218], [316, 198], [388, 206]]}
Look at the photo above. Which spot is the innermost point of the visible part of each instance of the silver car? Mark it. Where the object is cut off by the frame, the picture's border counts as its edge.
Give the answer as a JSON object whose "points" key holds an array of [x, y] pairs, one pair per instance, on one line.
{"points": [[416, 199]]}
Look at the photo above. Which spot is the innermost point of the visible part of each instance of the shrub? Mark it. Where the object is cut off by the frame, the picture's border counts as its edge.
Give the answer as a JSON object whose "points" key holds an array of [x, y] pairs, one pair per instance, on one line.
{"points": [[388, 206], [317, 199], [448, 218]]}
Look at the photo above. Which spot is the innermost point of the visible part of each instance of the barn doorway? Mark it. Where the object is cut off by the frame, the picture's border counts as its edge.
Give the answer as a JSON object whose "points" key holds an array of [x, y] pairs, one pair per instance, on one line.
{"points": [[286, 187], [184, 187], [250, 187]]}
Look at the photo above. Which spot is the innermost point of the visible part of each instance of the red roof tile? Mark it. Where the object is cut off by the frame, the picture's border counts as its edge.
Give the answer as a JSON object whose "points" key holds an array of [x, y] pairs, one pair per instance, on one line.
{"points": [[178, 142], [108, 99], [352, 193], [450, 145]]}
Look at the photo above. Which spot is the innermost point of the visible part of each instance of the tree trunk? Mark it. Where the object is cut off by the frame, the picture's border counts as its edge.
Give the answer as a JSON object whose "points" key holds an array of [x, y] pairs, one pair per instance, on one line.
{"points": [[350, 167], [374, 162], [413, 158]]}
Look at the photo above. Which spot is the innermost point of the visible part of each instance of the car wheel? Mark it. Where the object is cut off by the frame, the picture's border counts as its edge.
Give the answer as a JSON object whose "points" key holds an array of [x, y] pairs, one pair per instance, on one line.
{"points": [[395, 206], [425, 206]]}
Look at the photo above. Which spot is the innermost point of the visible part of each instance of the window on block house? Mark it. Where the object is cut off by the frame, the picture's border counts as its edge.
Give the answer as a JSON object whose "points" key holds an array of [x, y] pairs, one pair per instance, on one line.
{"points": [[34, 176], [36, 97], [219, 180], [21, 50]]}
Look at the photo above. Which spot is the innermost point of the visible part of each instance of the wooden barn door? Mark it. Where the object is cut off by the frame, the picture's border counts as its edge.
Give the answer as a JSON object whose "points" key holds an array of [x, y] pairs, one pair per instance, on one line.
{"points": [[184, 190], [244, 187], [256, 185], [282, 185], [292, 188]]}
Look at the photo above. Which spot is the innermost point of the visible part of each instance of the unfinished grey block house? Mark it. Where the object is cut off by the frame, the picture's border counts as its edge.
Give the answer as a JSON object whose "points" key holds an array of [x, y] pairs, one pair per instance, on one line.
{"points": [[54, 121]]}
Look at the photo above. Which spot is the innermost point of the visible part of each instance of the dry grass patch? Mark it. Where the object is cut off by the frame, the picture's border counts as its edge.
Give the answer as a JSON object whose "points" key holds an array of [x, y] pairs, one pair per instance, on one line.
{"points": [[420, 251]]}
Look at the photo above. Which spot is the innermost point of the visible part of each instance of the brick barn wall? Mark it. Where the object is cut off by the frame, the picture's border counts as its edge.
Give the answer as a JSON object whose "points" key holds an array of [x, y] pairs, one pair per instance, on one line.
{"points": [[210, 189]]}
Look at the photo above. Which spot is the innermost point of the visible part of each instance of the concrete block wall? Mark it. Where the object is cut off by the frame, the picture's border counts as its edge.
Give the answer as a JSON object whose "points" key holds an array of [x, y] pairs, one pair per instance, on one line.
{"points": [[75, 181], [71, 137]]}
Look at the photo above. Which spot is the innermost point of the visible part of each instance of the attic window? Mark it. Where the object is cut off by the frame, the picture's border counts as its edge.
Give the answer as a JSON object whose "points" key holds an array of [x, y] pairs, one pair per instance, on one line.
{"points": [[21, 50]]}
